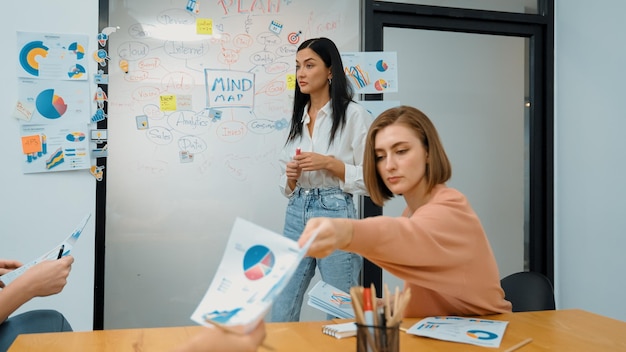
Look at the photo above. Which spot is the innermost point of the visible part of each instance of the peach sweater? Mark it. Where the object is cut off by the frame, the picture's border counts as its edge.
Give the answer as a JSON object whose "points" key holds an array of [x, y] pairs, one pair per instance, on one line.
{"points": [[441, 252]]}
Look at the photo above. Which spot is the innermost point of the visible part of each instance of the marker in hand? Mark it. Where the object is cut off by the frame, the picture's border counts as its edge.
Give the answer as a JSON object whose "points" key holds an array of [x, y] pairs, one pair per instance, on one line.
{"points": [[61, 251], [298, 151]]}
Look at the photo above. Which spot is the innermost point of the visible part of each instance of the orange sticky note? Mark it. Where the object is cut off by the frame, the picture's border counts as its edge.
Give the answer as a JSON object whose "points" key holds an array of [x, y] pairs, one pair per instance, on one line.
{"points": [[31, 144]]}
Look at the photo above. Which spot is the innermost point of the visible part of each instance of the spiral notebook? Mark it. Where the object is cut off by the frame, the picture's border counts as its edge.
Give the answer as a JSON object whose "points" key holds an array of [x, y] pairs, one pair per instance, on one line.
{"points": [[340, 330]]}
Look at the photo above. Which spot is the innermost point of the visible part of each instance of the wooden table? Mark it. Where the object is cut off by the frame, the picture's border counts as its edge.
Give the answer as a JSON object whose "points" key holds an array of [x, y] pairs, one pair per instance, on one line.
{"points": [[559, 330]]}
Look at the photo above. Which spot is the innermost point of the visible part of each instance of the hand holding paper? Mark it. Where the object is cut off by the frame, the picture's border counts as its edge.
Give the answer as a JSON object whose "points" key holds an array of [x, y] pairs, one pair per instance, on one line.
{"points": [[58, 251], [325, 235], [257, 264]]}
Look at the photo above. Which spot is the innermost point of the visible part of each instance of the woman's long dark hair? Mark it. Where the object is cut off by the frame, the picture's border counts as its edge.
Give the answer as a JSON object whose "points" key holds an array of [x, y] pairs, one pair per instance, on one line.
{"points": [[340, 90]]}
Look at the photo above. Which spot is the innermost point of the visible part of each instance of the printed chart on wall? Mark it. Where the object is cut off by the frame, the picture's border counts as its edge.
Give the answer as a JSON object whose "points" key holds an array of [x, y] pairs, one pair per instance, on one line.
{"points": [[53, 101], [199, 104]]}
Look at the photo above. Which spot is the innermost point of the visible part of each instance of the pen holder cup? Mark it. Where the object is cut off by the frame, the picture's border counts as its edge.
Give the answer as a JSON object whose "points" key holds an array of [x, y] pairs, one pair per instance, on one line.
{"points": [[371, 338]]}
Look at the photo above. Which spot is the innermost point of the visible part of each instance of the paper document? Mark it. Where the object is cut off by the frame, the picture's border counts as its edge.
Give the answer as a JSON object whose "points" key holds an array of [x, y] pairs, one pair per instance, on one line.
{"points": [[61, 249], [480, 332], [257, 264], [331, 300]]}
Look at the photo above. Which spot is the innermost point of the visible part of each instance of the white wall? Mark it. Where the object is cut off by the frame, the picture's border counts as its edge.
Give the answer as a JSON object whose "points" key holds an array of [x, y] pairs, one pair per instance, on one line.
{"points": [[590, 156], [37, 211], [480, 119]]}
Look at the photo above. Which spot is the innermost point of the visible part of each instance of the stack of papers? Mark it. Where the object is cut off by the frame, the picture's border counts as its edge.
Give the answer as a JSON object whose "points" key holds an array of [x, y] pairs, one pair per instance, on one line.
{"points": [[331, 300], [256, 266], [480, 332]]}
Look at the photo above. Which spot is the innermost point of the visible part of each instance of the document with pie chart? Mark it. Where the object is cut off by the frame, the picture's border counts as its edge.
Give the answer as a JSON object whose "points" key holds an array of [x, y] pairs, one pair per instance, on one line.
{"points": [[55, 136], [473, 331], [256, 266], [53, 56], [372, 71], [56, 102]]}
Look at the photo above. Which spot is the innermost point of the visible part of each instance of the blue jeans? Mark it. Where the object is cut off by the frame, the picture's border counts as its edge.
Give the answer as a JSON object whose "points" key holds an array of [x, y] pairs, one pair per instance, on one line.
{"points": [[32, 322], [340, 269]]}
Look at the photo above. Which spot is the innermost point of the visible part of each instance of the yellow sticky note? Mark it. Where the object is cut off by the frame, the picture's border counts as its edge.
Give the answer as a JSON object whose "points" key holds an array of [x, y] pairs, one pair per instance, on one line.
{"points": [[31, 144], [168, 102], [204, 26], [291, 81]]}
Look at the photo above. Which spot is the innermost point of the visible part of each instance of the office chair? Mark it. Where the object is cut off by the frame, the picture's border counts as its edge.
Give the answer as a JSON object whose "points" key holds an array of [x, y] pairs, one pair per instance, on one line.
{"points": [[528, 291]]}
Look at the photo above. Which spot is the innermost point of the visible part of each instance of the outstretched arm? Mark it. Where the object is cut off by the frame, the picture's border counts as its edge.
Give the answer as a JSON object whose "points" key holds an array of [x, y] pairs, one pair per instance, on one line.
{"points": [[44, 279], [332, 234]]}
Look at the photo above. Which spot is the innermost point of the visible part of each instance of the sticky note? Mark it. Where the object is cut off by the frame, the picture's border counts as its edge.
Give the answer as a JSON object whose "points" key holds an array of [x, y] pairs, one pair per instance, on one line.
{"points": [[23, 111], [31, 144], [168, 102], [204, 26], [184, 102], [291, 81]]}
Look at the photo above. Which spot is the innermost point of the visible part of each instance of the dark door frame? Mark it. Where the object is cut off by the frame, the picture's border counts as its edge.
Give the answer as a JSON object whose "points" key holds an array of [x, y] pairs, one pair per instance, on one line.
{"points": [[539, 29]]}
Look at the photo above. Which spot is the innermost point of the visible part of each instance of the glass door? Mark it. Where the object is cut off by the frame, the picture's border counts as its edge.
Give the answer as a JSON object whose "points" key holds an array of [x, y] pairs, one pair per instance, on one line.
{"points": [[483, 77]]}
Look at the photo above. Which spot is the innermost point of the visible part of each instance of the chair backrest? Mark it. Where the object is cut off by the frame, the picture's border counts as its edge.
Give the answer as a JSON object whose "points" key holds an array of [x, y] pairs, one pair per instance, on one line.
{"points": [[528, 291]]}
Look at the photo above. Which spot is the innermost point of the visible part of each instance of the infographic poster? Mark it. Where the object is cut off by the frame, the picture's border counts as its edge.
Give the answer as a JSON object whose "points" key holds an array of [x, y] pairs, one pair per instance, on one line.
{"points": [[52, 56], [54, 102], [48, 148], [371, 72]]}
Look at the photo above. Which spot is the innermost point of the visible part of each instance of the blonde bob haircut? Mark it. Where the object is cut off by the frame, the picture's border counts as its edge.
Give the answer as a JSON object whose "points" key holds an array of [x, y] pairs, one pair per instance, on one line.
{"points": [[438, 168]]}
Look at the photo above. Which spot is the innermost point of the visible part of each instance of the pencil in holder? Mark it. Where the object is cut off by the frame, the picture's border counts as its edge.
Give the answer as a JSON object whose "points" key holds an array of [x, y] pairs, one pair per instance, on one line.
{"points": [[373, 338]]}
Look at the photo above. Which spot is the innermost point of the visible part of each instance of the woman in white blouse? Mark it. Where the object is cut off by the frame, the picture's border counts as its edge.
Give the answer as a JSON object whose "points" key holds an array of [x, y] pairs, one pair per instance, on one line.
{"points": [[322, 166]]}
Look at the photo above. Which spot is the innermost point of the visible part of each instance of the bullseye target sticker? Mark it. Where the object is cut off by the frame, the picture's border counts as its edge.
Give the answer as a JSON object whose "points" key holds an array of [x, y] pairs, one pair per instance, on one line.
{"points": [[294, 37]]}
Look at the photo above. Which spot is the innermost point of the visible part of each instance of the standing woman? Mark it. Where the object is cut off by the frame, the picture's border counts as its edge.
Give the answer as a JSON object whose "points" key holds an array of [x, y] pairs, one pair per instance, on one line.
{"points": [[322, 166]]}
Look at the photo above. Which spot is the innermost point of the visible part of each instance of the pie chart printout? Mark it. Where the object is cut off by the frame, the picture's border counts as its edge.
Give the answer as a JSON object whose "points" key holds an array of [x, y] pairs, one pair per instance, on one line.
{"points": [[50, 105], [258, 262]]}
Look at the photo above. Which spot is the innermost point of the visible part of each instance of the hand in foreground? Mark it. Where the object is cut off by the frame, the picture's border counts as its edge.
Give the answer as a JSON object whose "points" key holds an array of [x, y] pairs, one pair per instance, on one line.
{"points": [[7, 265], [332, 234], [46, 278], [215, 339]]}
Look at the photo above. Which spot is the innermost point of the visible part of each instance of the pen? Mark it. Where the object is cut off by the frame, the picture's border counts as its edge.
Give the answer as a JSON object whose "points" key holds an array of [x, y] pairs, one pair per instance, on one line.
{"points": [[368, 312], [298, 151], [355, 300], [61, 251], [386, 294], [519, 345], [383, 325], [375, 310]]}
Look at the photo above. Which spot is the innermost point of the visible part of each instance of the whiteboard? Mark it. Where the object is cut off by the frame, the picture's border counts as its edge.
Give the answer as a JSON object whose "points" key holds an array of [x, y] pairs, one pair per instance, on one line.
{"points": [[195, 127]]}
